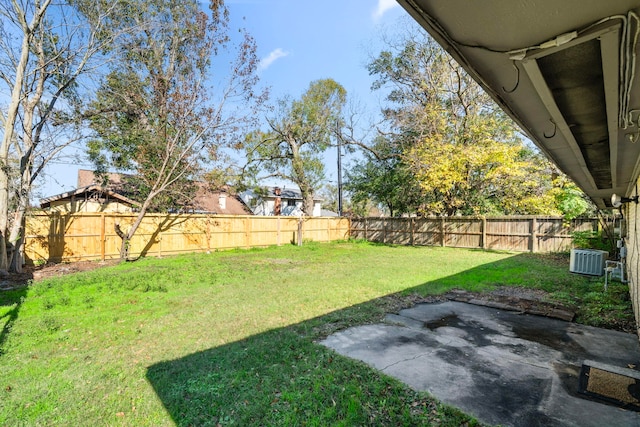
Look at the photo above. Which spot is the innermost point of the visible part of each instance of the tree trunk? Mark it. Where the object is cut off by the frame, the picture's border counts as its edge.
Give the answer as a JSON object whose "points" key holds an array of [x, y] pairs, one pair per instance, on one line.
{"points": [[17, 237], [16, 259], [124, 246], [28, 30], [9, 124], [307, 204], [300, 178], [126, 237]]}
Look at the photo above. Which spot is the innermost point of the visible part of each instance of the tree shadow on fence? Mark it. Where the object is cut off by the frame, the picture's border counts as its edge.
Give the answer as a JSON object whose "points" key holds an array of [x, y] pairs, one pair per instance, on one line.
{"points": [[169, 221]]}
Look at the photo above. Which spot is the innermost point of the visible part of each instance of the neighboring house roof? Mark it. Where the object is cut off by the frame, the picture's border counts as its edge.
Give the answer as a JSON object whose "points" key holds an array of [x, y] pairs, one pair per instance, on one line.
{"points": [[95, 192], [87, 177], [219, 202], [327, 212]]}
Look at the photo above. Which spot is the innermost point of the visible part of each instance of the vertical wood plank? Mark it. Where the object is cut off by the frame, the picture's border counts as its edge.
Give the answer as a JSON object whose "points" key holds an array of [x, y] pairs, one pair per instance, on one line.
{"points": [[484, 233], [102, 237]]}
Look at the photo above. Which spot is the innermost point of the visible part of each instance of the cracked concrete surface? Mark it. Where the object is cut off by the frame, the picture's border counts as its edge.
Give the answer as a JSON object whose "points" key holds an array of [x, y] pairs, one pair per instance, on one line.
{"points": [[501, 367]]}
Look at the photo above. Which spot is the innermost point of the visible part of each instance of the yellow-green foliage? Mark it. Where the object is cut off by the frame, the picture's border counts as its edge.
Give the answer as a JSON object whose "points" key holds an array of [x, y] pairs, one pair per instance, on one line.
{"points": [[480, 168], [467, 156]]}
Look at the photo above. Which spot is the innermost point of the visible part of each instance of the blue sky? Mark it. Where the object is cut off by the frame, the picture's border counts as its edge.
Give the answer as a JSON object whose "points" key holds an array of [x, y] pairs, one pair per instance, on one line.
{"points": [[299, 41]]}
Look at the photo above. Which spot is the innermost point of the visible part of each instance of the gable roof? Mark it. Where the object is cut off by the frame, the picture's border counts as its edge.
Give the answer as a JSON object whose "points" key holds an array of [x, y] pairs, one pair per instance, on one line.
{"points": [[218, 202], [100, 193], [87, 177]]}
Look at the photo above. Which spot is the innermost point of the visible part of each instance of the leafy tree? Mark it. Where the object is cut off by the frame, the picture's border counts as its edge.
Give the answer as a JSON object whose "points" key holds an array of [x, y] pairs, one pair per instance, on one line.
{"points": [[156, 115], [465, 153], [299, 132], [45, 50], [569, 199], [384, 180]]}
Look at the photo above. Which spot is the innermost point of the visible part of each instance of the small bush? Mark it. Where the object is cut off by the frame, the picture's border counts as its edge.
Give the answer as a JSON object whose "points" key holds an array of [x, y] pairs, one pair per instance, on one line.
{"points": [[593, 240]]}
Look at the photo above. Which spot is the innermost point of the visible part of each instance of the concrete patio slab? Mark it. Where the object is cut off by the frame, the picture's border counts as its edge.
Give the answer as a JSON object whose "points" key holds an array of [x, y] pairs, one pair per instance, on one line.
{"points": [[499, 366]]}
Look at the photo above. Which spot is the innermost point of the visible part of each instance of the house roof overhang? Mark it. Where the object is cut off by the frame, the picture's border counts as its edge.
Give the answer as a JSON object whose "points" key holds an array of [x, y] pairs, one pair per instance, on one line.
{"points": [[566, 71]]}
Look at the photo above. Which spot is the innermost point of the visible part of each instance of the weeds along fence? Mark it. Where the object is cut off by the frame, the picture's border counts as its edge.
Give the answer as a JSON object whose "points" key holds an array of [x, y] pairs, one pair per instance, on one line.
{"points": [[91, 236], [511, 233]]}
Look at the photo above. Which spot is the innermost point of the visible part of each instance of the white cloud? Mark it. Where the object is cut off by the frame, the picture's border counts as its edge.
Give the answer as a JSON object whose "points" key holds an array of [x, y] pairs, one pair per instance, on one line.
{"points": [[271, 58], [383, 7]]}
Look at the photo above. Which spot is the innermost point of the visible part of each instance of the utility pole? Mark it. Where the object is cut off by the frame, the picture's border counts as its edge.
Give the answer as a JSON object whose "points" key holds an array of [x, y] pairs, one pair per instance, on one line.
{"points": [[339, 175]]}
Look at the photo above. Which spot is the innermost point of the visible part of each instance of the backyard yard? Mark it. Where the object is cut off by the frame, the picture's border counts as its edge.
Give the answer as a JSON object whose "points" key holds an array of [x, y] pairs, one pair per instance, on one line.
{"points": [[230, 338]]}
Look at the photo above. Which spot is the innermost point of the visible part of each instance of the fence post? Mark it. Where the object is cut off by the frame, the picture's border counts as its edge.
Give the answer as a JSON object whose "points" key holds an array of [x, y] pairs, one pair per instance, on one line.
{"points": [[484, 232], [411, 225], [534, 235], [278, 231], [384, 231], [443, 232], [300, 231]]}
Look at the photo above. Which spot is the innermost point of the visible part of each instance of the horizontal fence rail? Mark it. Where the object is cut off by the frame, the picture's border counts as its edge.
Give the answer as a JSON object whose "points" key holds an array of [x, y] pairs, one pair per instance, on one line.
{"points": [[76, 237], [510, 233]]}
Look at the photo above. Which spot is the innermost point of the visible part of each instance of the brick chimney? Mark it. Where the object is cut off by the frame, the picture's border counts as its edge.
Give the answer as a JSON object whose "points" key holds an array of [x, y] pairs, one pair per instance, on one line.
{"points": [[277, 205]]}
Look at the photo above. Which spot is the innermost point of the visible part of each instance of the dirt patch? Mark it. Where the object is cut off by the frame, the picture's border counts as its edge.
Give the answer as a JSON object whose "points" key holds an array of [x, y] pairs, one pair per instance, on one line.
{"points": [[511, 298], [522, 300], [30, 272]]}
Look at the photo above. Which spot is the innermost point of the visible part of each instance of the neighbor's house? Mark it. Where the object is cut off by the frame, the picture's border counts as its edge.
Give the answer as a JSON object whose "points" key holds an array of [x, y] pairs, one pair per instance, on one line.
{"points": [[91, 197], [218, 202], [275, 201], [568, 72]]}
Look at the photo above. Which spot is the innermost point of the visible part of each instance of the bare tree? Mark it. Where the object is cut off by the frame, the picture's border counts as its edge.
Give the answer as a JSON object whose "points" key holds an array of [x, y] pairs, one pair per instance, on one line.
{"points": [[45, 48]]}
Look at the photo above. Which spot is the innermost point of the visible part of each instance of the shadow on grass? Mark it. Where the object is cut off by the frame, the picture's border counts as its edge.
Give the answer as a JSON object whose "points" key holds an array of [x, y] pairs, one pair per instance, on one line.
{"points": [[10, 303], [282, 377]]}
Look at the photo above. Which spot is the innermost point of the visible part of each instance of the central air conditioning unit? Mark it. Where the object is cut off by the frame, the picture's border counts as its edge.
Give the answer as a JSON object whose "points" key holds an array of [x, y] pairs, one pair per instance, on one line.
{"points": [[588, 261]]}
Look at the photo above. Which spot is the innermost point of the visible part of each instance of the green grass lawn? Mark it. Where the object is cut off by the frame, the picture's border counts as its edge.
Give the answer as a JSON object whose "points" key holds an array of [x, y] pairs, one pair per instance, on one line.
{"points": [[229, 338]]}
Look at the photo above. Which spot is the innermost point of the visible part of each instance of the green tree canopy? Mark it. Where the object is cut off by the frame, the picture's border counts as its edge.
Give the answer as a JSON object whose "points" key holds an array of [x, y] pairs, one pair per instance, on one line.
{"points": [[384, 180], [157, 115], [465, 155]]}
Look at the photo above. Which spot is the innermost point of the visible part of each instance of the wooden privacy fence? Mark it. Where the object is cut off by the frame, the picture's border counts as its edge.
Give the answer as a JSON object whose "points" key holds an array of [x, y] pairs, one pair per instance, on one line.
{"points": [[91, 236], [512, 233]]}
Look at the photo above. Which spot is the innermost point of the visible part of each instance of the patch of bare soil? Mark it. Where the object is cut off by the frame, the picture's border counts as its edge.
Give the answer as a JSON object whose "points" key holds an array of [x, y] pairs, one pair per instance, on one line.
{"points": [[518, 299], [31, 272], [522, 300]]}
